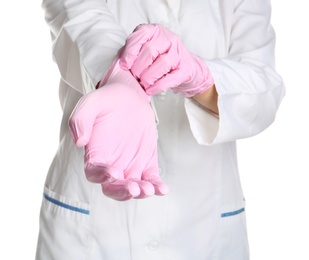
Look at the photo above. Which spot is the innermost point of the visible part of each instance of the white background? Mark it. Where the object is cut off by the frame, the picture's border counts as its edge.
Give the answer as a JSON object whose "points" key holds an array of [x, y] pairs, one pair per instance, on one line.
{"points": [[274, 165]]}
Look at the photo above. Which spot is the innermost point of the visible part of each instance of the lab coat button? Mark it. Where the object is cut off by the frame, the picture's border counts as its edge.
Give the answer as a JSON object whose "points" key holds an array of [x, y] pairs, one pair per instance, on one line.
{"points": [[153, 245]]}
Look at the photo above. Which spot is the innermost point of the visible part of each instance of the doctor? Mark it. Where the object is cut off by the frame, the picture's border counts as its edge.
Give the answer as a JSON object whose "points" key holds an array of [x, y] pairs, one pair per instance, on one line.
{"points": [[203, 215]]}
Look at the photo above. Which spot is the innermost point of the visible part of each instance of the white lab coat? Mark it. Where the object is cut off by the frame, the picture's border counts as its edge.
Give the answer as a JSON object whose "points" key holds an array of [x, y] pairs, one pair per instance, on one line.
{"points": [[203, 216]]}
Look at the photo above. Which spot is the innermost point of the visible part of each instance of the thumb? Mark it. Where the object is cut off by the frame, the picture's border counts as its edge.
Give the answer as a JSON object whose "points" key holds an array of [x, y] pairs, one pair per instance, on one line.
{"points": [[83, 117]]}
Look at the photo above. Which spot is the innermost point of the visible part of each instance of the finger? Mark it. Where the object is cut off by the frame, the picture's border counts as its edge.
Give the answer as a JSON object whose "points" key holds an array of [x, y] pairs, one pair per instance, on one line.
{"points": [[171, 80], [102, 173], [134, 43], [151, 175], [160, 68], [121, 190], [146, 188], [82, 118], [160, 187], [149, 52]]}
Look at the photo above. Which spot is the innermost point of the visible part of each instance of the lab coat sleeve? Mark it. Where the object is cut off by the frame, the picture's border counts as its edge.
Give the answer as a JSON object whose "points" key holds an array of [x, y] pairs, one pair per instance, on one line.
{"points": [[249, 88], [86, 38]]}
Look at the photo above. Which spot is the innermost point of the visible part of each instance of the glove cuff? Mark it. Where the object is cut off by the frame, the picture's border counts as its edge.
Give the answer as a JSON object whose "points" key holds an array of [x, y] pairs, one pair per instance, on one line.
{"points": [[202, 80]]}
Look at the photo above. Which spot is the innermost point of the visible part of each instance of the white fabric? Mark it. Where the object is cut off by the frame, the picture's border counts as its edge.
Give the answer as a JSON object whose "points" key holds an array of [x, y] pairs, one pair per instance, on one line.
{"points": [[197, 151]]}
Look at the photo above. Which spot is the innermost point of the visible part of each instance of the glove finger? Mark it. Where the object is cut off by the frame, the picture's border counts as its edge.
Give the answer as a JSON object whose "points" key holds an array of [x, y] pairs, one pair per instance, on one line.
{"points": [[171, 80], [148, 54], [102, 173], [121, 190], [134, 173], [151, 175], [146, 188], [83, 117], [134, 43], [159, 186], [160, 68]]}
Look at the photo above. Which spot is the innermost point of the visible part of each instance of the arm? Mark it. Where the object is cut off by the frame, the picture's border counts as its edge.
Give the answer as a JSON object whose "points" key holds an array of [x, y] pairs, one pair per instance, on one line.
{"points": [[86, 38], [249, 89]]}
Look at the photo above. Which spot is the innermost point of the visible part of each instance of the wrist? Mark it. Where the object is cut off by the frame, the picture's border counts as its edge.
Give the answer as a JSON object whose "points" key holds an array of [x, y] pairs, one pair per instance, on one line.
{"points": [[208, 99]]}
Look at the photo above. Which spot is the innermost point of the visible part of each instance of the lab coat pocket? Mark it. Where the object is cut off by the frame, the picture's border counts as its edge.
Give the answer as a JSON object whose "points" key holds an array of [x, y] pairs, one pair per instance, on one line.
{"points": [[233, 242], [64, 228]]}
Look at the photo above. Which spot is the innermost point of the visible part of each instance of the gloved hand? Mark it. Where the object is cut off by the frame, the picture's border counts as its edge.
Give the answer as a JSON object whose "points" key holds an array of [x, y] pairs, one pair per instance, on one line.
{"points": [[116, 125], [158, 60]]}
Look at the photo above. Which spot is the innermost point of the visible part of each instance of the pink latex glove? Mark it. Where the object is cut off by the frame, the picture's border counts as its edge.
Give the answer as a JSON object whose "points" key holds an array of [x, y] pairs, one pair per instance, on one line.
{"points": [[159, 61], [116, 124]]}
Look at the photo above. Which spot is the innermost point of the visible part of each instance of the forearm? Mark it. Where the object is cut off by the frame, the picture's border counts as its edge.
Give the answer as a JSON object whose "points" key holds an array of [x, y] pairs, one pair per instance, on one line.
{"points": [[208, 99]]}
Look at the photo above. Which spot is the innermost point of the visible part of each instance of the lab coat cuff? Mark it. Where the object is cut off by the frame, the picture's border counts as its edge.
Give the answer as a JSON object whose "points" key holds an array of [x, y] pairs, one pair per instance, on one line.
{"points": [[206, 127], [204, 124]]}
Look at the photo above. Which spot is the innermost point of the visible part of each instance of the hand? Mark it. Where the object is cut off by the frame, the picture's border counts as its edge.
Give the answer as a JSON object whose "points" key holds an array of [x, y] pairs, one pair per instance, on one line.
{"points": [[116, 125], [158, 60]]}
